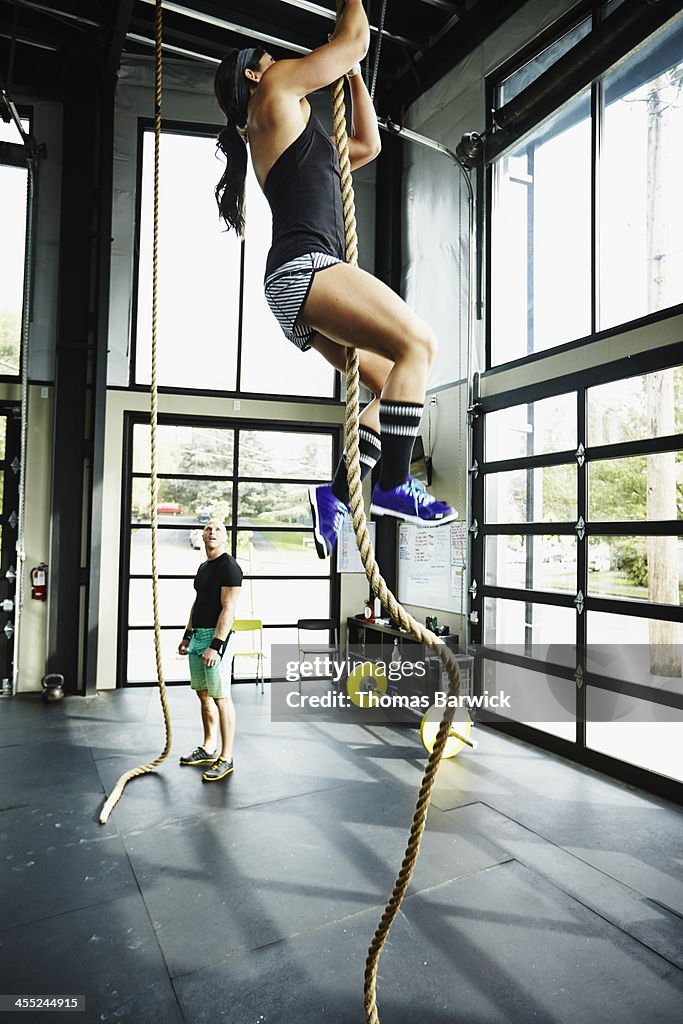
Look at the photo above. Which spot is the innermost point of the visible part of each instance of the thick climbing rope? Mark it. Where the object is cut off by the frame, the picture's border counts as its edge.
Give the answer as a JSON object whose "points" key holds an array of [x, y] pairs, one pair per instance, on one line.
{"points": [[379, 586], [143, 769]]}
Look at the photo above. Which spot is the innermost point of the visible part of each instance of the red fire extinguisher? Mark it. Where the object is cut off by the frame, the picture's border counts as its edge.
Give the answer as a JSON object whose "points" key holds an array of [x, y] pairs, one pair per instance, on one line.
{"points": [[39, 582]]}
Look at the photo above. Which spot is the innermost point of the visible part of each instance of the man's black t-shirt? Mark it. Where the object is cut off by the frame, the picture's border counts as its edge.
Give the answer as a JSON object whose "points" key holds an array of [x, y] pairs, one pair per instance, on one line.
{"points": [[211, 576]]}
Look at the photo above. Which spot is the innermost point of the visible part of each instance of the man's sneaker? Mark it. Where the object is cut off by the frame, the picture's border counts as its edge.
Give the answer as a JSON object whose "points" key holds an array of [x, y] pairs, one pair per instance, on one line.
{"points": [[199, 756], [329, 514], [218, 770], [412, 503]]}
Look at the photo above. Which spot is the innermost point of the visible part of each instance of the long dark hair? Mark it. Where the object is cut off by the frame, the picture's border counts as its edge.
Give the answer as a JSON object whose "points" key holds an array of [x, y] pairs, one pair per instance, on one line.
{"points": [[232, 93]]}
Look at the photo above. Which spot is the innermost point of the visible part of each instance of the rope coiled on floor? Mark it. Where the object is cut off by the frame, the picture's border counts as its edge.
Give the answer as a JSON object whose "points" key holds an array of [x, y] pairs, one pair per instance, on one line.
{"points": [[378, 584], [143, 769]]}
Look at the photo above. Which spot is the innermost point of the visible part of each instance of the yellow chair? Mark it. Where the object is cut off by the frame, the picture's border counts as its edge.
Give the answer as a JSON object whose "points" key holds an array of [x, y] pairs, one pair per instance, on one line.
{"points": [[250, 626]]}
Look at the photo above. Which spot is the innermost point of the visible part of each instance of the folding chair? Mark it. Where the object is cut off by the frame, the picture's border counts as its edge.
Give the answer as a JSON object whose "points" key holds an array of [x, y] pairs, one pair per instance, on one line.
{"points": [[251, 626], [306, 646]]}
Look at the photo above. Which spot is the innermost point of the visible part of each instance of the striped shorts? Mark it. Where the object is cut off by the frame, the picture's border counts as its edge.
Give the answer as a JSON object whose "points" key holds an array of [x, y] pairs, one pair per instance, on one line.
{"points": [[216, 679], [287, 289]]}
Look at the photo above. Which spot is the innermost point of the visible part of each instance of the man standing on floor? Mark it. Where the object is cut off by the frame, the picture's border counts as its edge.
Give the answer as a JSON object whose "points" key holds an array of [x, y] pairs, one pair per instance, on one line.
{"points": [[209, 628]]}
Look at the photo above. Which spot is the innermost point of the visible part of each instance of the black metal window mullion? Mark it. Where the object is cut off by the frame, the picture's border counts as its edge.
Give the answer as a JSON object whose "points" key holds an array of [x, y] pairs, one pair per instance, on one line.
{"points": [[581, 568], [478, 566]]}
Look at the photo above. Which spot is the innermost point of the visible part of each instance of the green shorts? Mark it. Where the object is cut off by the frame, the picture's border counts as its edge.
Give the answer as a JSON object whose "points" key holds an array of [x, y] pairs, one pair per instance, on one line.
{"points": [[216, 679]]}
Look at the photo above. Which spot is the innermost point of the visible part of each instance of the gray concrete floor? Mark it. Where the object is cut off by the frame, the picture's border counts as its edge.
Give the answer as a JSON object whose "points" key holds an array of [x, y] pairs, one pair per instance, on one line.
{"points": [[543, 892]]}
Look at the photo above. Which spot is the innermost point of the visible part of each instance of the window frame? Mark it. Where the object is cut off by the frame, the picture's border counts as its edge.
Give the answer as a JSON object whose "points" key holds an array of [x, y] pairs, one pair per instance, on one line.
{"points": [[578, 383], [131, 419], [11, 149], [597, 10], [202, 130]]}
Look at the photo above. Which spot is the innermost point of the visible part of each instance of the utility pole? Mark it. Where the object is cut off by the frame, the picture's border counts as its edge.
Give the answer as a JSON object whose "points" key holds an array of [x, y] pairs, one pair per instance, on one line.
{"points": [[662, 552]]}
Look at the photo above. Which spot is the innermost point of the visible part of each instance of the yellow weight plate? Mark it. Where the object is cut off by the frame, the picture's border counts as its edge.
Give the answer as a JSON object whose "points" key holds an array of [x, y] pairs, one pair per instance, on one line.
{"points": [[366, 678], [429, 727]]}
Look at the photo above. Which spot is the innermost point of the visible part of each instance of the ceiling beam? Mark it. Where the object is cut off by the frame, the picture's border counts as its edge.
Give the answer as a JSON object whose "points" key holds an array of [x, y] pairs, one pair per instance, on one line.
{"points": [[325, 12], [444, 5], [118, 37], [180, 51], [56, 12], [230, 26]]}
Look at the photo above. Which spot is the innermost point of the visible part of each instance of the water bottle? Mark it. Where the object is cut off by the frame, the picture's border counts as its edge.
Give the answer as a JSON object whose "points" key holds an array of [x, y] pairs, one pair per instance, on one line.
{"points": [[396, 653]]}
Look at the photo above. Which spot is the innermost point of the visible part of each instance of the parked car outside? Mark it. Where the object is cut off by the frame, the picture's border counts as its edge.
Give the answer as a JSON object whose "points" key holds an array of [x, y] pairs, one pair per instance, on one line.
{"points": [[169, 508]]}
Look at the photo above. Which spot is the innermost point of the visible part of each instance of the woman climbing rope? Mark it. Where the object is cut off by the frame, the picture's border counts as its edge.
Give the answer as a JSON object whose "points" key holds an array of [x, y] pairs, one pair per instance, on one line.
{"points": [[297, 167]]}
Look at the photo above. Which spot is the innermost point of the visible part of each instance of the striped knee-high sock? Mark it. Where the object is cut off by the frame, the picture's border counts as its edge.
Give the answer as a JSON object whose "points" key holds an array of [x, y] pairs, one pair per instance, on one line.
{"points": [[370, 449], [398, 426]]}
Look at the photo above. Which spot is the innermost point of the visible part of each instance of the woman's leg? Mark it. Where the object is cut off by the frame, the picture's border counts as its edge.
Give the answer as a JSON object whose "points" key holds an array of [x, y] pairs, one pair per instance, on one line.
{"points": [[374, 370], [350, 307], [329, 502]]}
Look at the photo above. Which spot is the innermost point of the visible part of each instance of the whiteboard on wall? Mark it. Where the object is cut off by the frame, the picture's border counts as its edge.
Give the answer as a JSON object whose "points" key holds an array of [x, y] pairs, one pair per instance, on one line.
{"points": [[348, 555], [431, 565]]}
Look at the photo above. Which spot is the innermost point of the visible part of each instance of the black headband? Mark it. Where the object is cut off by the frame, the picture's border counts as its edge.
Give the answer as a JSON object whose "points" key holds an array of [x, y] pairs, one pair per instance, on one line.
{"points": [[244, 59]]}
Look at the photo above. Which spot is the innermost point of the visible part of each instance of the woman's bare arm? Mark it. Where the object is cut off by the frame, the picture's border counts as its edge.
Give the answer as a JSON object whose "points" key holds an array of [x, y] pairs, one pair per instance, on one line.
{"points": [[347, 46], [364, 140]]}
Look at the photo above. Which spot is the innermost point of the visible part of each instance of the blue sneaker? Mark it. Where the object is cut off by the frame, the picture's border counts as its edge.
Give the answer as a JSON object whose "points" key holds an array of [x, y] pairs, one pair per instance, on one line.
{"points": [[328, 514], [412, 503]]}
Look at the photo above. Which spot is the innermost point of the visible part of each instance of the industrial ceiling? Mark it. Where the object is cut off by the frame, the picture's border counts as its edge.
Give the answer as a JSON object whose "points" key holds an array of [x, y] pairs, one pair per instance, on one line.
{"points": [[414, 42]]}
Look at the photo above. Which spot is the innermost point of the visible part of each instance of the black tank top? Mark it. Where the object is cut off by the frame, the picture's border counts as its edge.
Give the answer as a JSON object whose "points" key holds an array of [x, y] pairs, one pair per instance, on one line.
{"points": [[303, 189]]}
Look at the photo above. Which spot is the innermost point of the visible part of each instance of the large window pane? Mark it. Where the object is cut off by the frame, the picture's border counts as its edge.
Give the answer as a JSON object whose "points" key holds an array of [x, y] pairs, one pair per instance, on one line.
{"points": [[643, 487], [270, 363], [245, 668], [538, 699], [199, 270], [636, 568], [641, 213], [183, 502], [636, 408], [175, 600], [273, 504], [10, 133], [275, 453], [142, 667], [541, 255], [521, 624], [185, 449], [535, 428], [636, 731], [179, 552], [635, 648], [515, 83], [532, 562], [543, 495], [285, 601], [279, 553], [12, 243]]}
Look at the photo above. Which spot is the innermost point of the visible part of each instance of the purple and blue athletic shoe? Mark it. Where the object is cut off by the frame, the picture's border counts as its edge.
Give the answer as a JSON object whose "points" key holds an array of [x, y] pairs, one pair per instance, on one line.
{"points": [[412, 503], [329, 514]]}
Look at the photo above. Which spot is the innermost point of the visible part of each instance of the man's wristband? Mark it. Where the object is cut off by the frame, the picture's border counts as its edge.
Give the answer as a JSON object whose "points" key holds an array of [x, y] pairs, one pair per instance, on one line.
{"points": [[218, 645], [187, 636]]}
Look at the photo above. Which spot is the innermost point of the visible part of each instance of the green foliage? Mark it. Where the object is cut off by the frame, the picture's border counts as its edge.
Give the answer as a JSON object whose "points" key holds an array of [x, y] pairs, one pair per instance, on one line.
{"points": [[630, 556]]}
